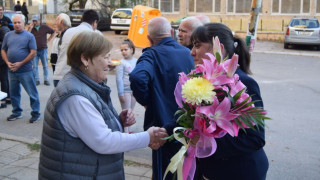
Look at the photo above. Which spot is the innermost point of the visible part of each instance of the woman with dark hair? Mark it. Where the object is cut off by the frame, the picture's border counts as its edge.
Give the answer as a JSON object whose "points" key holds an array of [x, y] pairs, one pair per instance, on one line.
{"points": [[240, 157], [25, 11]]}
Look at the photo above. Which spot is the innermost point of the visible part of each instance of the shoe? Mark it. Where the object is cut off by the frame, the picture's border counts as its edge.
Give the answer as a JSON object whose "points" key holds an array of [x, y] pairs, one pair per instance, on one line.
{"points": [[46, 83], [3, 105], [34, 119], [13, 117], [8, 101], [37, 83]]}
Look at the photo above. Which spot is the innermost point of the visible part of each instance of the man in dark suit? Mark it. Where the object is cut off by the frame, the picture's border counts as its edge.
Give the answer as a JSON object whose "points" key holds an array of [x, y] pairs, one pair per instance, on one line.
{"points": [[153, 82]]}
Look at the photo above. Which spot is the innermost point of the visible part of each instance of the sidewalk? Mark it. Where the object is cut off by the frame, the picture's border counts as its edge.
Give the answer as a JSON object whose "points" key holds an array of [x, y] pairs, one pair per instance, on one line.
{"points": [[19, 159]]}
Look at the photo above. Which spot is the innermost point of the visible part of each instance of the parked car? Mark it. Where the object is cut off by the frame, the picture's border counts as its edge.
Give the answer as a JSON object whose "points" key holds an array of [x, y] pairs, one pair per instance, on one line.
{"points": [[103, 24], [121, 19], [304, 31]]}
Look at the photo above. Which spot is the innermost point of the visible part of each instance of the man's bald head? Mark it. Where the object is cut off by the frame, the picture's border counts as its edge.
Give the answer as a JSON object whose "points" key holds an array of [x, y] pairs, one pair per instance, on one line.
{"points": [[159, 28]]}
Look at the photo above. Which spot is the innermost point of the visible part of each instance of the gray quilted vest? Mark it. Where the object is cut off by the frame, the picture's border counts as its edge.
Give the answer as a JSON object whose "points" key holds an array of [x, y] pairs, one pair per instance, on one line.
{"points": [[65, 157]]}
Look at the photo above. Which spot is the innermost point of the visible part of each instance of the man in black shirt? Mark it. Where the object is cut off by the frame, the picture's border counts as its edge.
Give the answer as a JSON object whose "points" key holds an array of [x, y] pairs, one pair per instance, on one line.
{"points": [[17, 7], [4, 20]]}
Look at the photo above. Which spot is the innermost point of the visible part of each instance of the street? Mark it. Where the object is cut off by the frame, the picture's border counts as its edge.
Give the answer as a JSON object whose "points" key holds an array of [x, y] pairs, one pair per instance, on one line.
{"points": [[290, 88]]}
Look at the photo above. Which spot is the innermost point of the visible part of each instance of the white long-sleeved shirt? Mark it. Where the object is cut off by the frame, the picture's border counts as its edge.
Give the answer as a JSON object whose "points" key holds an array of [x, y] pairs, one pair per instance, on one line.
{"points": [[81, 119], [122, 72]]}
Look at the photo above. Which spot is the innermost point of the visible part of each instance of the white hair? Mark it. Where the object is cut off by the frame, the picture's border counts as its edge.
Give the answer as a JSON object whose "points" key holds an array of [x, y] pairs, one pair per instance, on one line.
{"points": [[203, 18], [65, 18], [159, 27], [19, 15], [194, 22]]}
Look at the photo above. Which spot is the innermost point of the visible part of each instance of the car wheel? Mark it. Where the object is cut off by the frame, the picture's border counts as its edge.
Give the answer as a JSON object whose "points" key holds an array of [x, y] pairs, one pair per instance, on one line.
{"points": [[286, 46], [117, 32]]}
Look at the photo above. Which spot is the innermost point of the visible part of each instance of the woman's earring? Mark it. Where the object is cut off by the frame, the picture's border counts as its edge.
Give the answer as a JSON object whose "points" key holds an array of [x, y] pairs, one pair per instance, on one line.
{"points": [[86, 68]]}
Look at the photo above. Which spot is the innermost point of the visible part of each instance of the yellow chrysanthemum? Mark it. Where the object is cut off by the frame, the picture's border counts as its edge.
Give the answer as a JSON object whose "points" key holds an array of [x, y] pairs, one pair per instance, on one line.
{"points": [[197, 90]]}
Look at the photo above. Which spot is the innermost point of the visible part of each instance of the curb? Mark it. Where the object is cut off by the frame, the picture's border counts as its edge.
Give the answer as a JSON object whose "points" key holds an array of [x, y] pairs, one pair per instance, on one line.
{"points": [[18, 139], [288, 53]]}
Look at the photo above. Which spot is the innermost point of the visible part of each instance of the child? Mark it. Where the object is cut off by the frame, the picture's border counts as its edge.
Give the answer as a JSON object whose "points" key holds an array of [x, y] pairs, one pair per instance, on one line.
{"points": [[123, 84]]}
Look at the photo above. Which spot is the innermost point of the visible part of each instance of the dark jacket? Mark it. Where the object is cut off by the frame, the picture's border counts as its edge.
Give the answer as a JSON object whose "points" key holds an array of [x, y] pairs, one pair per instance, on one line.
{"points": [[41, 35], [24, 10], [153, 81], [5, 21], [242, 157], [3, 31], [65, 157]]}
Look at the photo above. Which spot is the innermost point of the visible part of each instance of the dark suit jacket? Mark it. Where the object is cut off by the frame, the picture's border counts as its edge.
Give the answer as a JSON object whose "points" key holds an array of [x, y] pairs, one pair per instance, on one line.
{"points": [[242, 157], [153, 81]]}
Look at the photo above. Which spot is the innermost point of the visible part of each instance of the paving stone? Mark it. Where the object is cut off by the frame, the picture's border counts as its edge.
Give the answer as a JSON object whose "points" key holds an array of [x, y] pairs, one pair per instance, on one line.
{"points": [[25, 174], [7, 157], [21, 149], [5, 144], [8, 170], [25, 162], [131, 177], [35, 154], [148, 174], [136, 170], [35, 165], [6, 178]]}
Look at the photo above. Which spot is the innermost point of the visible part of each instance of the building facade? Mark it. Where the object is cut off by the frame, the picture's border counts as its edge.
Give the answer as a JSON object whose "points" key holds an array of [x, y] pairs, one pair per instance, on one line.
{"points": [[275, 14]]}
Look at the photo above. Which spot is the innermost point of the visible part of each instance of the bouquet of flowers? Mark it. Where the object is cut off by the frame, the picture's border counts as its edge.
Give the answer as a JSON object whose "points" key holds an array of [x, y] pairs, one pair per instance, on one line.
{"points": [[213, 102]]}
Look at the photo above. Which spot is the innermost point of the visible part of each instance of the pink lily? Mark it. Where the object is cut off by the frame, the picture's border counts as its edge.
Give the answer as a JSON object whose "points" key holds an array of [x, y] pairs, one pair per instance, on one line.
{"points": [[217, 46], [220, 114], [183, 78], [178, 95], [231, 65]]}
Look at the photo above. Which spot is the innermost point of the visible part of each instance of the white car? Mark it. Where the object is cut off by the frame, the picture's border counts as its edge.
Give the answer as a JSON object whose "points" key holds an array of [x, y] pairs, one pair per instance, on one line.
{"points": [[121, 19]]}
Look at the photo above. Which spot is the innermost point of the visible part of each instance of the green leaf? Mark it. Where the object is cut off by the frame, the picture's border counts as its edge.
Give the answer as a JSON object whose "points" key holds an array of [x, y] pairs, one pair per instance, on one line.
{"points": [[218, 57], [169, 138], [179, 112], [239, 124], [181, 118], [236, 96]]}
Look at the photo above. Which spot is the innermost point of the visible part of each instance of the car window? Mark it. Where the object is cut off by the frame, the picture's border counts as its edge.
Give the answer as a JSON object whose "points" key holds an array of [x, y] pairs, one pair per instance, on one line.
{"points": [[304, 23], [9, 15], [123, 14]]}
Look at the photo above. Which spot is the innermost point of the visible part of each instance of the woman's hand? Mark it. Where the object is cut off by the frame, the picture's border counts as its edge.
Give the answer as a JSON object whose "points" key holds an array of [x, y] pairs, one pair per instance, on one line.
{"points": [[156, 134], [127, 117]]}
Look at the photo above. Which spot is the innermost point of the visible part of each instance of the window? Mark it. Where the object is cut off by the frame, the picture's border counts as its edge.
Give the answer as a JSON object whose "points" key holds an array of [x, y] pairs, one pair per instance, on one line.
{"points": [[318, 7], [239, 6], [167, 5], [291, 6], [204, 6]]}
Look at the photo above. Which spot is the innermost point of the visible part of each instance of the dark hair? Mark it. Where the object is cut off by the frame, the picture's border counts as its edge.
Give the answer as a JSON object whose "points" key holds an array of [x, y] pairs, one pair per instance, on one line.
{"points": [[130, 45], [208, 31], [89, 16]]}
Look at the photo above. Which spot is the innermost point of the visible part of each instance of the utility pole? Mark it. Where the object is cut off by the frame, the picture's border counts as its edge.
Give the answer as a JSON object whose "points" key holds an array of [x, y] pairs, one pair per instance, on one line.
{"points": [[253, 23]]}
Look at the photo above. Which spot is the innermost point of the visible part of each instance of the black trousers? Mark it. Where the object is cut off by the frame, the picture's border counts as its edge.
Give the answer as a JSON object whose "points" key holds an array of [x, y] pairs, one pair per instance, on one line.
{"points": [[4, 79]]}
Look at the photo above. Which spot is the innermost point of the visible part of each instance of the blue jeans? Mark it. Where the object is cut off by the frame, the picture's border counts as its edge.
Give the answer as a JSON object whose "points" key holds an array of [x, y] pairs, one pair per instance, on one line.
{"points": [[55, 83], [42, 54], [29, 84]]}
